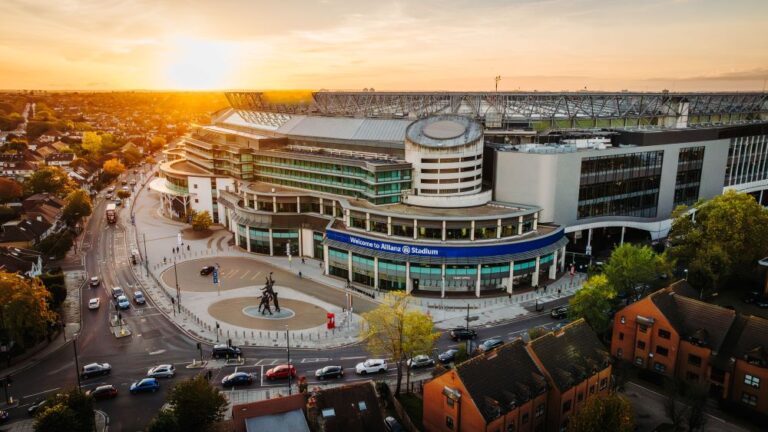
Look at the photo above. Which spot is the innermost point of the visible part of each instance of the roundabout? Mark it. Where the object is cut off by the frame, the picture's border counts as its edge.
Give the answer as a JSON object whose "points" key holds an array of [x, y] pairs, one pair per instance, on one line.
{"points": [[243, 312]]}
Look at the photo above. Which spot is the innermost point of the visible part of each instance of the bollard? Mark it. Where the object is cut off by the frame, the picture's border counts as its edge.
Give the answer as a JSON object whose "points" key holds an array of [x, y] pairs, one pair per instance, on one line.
{"points": [[227, 332], [302, 336], [251, 334], [259, 333]]}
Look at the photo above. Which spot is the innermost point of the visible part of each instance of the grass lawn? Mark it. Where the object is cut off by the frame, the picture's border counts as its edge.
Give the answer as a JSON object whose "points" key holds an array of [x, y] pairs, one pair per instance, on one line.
{"points": [[414, 406]]}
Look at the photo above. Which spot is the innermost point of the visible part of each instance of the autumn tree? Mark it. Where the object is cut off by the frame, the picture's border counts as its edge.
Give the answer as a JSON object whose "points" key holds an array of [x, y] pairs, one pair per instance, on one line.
{"points": [[71, 411], [92, 143], [10, 190], [156, 144], [395, 331], [593, 303], [721, 241], [51, 179], [604, 413], [113, 168], [123, 194], [77, 205], [201, 220], [195, 405], [25, 316], [631, 266]]}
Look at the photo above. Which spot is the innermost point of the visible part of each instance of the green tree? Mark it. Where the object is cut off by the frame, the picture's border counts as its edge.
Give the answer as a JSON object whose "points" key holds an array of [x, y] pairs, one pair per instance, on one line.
{"points": [[201, 221], [67, 412], [123, 194], [113, 168], [51, 179], [165, 421], [92, 143], [536, 332], [631, 266], [395, 331], [593, 303], [10, 190], [25, 316], [77, 205], [722, 241], [604, 413], [56, 245], [195, 405]]}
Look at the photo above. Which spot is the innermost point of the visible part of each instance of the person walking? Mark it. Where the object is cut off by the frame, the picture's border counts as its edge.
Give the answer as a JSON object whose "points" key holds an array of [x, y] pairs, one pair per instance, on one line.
{"points": [[299, 275]]}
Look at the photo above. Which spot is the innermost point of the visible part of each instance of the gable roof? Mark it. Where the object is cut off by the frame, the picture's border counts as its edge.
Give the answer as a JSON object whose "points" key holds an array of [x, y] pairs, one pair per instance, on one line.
{"points": [[499, 380], [355, 408], [752, 344], [571, 355], [276, 406], [17, 260]]}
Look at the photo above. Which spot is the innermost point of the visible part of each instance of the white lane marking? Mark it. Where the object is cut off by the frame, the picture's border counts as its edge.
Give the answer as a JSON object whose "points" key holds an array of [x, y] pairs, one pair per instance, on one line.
{"points": [[315, 360], [157, 352], [352, 358], [244, 274], [261, 376], [42, 392]]}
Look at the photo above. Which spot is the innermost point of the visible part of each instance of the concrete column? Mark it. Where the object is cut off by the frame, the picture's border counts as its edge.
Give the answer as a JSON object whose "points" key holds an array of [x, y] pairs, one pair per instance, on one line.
{"points": [[376, 272], [301, 243], [271, 244], [535, 278], [562, 259], [415, 229], [408, 283], [389, 225], [248, 236], [479, 269], [498, 228], [535, 221], [349, 265], [298, 204], [442, 280], [326, 258], [367, 221], [443, 230], [274, 204], [520, 225], [472, 231], [237, 235], [510, 282], [553, 267], [623, 230], [322, 209], [589, 241]]}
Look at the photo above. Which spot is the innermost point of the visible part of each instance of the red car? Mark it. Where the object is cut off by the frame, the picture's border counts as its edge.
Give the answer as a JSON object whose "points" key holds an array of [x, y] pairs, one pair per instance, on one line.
{"points": [[281, 371], [103, 392]]}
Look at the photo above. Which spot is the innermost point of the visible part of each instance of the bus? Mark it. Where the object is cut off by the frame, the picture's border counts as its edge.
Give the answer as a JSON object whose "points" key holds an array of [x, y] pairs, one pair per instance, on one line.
{"points": [[111, 213]]}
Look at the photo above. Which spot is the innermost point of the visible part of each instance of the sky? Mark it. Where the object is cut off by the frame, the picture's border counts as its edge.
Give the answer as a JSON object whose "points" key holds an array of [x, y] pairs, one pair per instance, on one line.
{"points": [[451, 45]]}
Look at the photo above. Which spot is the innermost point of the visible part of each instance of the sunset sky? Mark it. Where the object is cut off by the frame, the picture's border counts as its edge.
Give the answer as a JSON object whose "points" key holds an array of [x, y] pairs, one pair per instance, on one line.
{"points": [[681, 45]]}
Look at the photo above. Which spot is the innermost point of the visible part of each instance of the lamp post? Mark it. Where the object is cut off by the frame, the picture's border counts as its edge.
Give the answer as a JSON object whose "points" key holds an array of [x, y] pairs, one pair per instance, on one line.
{"points": [[77, 364], [288, 346], [178, 291]]}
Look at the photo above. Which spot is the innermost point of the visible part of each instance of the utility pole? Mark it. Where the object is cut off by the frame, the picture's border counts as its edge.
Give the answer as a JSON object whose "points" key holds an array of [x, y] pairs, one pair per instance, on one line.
{"points": [[288, 345], [498, 78], [146, 257], [469, 339], [178, 291], [77, 365]]}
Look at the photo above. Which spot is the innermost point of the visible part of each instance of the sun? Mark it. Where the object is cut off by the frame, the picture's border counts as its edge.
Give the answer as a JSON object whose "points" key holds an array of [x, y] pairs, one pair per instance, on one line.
{"points": [[196, 64]]}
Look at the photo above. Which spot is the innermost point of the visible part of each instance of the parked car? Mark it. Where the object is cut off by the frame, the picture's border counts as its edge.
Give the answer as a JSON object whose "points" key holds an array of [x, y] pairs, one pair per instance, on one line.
{"points": [[237, 379], [490, 344], [448, 356], [281, 371], [329, 372], [103, 392], [462, 333], [225, 351], [392, 425], [94, 282], [94, 303], [37, 406], [138, 297], [145, 385], [420, 361], [162, 371], [122, 302], [205, 271], [95, 369], [371, 366], [4, 416], [559, 312]]}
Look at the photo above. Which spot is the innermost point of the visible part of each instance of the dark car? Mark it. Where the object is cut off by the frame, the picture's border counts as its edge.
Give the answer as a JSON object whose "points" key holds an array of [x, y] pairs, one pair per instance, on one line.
{"points": [[462, 333], [559, 312], [448, 356], [103, 392], [392, 425], [237, 379], [329, 372], [225, 351], [37, 406], [145, 385], [761, 302], [205, 271], [490, 344]]}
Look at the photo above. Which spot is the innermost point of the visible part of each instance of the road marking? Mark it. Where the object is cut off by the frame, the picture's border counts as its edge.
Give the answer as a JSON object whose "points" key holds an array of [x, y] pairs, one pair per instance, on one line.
{"points": [[266, 362], [352, 358], [245, 274], [315, 360], [261, 375], [42, 392], [157, 352]]}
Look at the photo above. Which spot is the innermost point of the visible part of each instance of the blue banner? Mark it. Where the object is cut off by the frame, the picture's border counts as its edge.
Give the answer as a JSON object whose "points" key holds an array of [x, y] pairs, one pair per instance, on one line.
{"points": [[458, 251]]}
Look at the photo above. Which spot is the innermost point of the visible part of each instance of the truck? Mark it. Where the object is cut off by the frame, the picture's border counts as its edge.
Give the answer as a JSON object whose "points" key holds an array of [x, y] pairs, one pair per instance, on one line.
{"points": [[111, 213]]}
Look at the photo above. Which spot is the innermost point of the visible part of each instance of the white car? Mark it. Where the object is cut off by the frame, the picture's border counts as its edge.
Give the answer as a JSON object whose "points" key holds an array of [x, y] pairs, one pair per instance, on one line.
{"points": [[95, 369], [138, 297], [162, 371], [123, 302], [94, 303], [371, 366], [94, 282]]}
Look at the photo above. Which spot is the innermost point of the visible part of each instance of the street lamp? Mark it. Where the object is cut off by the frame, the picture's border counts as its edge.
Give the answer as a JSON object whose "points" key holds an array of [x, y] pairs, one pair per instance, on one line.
{"points": [[178, 291], [77, 364]]}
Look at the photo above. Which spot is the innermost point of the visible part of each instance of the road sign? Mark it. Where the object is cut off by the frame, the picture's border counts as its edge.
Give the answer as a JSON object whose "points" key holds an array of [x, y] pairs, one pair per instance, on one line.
{"points": [[215, 276]]}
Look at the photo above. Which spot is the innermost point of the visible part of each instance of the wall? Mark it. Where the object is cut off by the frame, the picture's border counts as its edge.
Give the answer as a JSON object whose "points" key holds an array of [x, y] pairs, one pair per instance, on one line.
{"points": [[436, 409], [200, 194], [742, 368]]}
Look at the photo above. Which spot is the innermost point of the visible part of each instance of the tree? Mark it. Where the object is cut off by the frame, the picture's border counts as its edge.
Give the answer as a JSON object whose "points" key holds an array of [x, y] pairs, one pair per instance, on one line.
{"points": [[631, 266], [201, 221], [195, 405], [156, 144], [536, 332], [77, 205], [604, 413], [25, 316], [722, 240], [70, 411], [113, 168], [593, 303], [51, 179], [395, 331], [10, 190], [56, 245], [123, 194], [92, 143]]}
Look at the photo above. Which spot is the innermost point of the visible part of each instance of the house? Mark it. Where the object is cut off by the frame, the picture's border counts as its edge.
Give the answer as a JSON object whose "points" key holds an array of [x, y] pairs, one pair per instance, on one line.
{"points": [[281, 414], [24, 233], [45, 151], [499, 390], [60, 159], [353, 407], [750, 365], [43, 205], [15, 166], [60, 146], [23, 261], [577, 367]]}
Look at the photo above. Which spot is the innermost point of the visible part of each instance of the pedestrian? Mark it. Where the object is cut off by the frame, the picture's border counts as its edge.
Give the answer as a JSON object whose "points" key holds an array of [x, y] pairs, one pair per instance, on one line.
{"points": [[302, 260], [187, 248], [164, 260], [299, 275]]}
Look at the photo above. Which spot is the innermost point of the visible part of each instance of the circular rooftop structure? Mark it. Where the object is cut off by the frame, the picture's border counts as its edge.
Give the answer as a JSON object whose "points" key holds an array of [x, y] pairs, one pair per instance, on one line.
{"points": [[442, 131]]}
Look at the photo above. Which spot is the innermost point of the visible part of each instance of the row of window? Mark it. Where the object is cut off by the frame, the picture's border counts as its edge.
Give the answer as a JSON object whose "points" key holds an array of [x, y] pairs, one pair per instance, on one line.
{"points": [[451, 180], [452, 160], [451, 170], [449, 191], [689, 166]]}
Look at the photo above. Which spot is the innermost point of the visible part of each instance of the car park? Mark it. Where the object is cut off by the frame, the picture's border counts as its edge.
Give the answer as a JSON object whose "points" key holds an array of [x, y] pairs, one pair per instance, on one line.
{"points": [[94, 303], [103, 392], [205, 271], [162, 371], [462, 333], [138, 297], [490, 344], [237, 379], [94, 282], [95, 369], [145, 385], [448, 356], [371, 366], [392, 425], [559, 312], [420, 361], [281, 371], [225, 351], [329, 372], [122, 302]]}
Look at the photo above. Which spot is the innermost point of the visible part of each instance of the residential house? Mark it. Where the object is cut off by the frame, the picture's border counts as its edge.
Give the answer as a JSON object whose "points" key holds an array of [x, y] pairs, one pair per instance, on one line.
{"points": [[60, 147], [60, 159], [23, 261], [45, 151], [15, 166], [750, 365], [24, 233], [281, 414], [45, 206]]}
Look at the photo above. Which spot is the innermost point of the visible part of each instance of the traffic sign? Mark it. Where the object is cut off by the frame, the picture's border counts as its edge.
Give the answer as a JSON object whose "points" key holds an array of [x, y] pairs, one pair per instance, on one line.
{"points": [[215, 276]]}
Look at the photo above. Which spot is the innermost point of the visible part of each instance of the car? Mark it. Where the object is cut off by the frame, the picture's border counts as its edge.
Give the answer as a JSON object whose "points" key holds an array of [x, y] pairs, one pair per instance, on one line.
{"points": [[329, 372], [371, 366], [559, 312], [281, 371], [95, 369], [94, 303], [118, 202], [162, 371], [225, 351], [117, 292], [420, 361], [237, 379], [205, 271], [4, 416], [462, 333], [37, 406], [448, 356], [490, 344], [103, 392], [761, 302], [392, 425], [750, 297], [94, 282], [145, 385], [108, 195], [122, 302], [138, 297], [132, 182]]}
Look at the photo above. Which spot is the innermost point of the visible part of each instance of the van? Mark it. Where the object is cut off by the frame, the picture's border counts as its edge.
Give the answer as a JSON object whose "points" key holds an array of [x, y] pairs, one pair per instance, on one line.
{"points": [[117, 292]]}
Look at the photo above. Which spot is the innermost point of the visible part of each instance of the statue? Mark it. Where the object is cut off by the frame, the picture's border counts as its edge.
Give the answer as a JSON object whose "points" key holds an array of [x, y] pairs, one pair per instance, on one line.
{"points": [[268, 295]]}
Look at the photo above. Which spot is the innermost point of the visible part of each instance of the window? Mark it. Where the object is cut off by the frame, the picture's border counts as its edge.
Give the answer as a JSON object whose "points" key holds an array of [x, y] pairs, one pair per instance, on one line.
{"points": [[690, 376], [752, 381], [197, 200], [361, 405], [621, 336], [664, 334], [619, 353], [694, 360], [643, 328], [603, 383], [195, 186], [623, 320], [749, 399], [539, 410], [525, 418], [580, 397], [449, 422], [639, 361], [328, 412], [659, 367], [660, 350], [511, 428], [450, 402], [641, 345], [566, 406], [592, 389]]}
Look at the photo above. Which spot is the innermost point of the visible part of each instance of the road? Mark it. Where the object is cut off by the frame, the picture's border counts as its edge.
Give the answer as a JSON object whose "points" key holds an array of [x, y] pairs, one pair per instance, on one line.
{"points": [[155, 340]]}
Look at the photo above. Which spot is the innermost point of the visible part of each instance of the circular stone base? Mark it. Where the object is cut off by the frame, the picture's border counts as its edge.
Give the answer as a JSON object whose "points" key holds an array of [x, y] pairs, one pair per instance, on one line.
{"points": [[233, 311], [283, 313]]}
